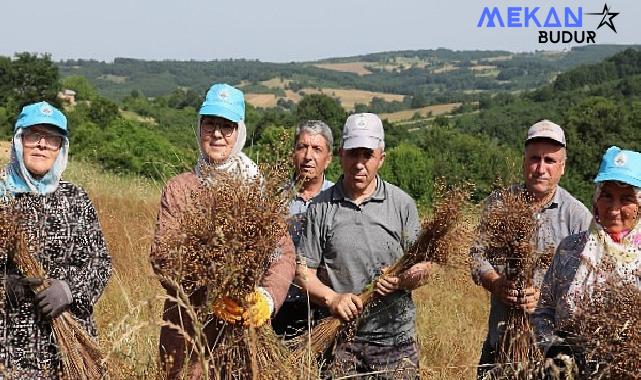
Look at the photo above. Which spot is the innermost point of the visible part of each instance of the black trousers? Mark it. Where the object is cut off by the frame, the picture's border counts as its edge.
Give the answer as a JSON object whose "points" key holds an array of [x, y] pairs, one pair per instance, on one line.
{"points": [[292, 319]]}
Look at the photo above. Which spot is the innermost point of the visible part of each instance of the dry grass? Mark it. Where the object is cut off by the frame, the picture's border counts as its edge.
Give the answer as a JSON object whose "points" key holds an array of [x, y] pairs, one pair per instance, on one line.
{"points": [[276, 83], [498, 58], [451, 317], [451, 310], [261, 100], [483, 68], [435, 110], [129, 308], [348, 98], [445, 68], [359, 68], [5, 151]]}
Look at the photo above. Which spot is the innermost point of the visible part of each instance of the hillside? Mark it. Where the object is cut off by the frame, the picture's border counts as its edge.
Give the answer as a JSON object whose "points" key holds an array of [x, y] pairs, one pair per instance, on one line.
{"points": [[598, 105], [476, 140], [147, 139], [412, 79]]}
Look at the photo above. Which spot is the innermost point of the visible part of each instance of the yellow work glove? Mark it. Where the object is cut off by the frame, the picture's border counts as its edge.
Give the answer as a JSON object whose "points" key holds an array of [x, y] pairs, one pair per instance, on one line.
{"points": [[228, 310], [258, 309]]}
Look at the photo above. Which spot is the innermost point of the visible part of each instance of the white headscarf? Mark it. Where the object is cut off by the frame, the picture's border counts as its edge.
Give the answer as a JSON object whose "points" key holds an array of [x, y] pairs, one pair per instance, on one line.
{"points": [[624, 256], [15, 178], [236, 163]]}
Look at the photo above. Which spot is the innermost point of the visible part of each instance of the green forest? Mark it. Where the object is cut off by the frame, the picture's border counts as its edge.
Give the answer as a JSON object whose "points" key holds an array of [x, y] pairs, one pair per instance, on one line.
{"points": [[139, 117]]}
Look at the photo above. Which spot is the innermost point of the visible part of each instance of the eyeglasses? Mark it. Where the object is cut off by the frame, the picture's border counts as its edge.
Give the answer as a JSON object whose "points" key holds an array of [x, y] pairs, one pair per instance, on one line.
{"points": [[32, 139], [226, 129]]}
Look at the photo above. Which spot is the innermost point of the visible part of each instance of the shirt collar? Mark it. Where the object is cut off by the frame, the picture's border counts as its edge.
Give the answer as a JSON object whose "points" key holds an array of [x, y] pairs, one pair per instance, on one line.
{"points": [[554, 203], [292, 187], [338, 194], [556, 199]]}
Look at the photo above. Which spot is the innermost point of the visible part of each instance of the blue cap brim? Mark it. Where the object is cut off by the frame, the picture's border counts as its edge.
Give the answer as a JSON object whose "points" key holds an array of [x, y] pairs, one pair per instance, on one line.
{"points": [[618, 176], [221, 111], [31, 121]]}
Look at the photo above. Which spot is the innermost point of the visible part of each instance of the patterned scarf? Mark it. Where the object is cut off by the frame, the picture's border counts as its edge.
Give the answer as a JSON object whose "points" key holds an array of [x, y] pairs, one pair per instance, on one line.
{"points": [[602, 257]]}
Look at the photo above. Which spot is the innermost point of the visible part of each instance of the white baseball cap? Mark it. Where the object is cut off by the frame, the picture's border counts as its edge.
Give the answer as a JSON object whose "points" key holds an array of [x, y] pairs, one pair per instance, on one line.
{"points": [[363, 130], [545, 129]]}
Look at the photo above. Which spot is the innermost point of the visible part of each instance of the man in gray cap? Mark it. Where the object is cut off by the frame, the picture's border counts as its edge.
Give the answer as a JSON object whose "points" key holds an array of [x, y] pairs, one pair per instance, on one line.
{"points": [[560, 215], [353, 230]]}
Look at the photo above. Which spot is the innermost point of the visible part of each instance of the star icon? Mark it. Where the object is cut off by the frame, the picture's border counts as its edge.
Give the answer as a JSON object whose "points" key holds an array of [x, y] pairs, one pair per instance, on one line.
{"points": [[607, 18]]}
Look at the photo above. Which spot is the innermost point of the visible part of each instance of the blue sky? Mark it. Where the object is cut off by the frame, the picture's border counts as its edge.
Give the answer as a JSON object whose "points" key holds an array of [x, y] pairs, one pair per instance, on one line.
{"points": [[277, 30]]}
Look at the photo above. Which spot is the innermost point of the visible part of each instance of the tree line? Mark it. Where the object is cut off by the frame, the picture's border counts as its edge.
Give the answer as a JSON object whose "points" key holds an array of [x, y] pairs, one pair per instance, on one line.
{"points": [[155, 137]]}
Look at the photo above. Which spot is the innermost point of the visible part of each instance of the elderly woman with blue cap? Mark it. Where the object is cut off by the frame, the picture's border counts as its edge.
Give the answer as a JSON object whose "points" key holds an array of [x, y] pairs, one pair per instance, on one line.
{"points": [[221, 138], [59, 217], [612, 243]]}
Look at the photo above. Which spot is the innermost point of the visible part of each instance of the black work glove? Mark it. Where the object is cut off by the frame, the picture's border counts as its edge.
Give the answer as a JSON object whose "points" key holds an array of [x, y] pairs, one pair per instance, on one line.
{"points": [[570, 345], [54, 299], [17, 287]]}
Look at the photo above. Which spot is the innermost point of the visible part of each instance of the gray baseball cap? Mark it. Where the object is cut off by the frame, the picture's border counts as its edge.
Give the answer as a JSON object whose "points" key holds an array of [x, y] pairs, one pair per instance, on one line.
{"points": [[545, 129], [363, 130]]}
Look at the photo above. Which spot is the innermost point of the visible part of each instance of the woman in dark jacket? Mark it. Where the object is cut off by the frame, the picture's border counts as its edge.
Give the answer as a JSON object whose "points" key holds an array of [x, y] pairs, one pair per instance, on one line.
{"points": [[60, 219]]}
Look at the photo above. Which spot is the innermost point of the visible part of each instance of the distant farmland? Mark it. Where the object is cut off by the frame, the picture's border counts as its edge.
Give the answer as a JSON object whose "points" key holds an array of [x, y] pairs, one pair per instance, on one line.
{"points": [[348, 98], [428, 111], [347, 67]]}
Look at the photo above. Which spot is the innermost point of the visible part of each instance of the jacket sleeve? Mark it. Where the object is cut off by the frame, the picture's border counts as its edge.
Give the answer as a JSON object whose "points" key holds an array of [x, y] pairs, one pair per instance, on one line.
{"points": [[280, 274], [173, 201], [166, 221], [88, 279]]}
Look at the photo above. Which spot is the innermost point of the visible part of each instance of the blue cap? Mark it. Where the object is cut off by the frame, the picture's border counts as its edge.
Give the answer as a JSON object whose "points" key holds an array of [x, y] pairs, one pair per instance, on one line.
{"points": [[620, 165], [41, 113], [225, 101]]}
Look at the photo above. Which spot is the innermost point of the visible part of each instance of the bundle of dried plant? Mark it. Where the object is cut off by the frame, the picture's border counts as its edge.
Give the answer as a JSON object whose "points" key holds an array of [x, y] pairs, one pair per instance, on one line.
{"points": [[508, 229], [444, 234], [608, 321], [8, 226], [229, 236], [81, 357]]}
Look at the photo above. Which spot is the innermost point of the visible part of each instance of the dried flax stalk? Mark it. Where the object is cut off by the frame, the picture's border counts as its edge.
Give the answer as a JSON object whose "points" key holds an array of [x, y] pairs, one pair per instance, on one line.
{"points": [[608, 319], [81, 357], [447, 233], [227, 240], [508, 229]]}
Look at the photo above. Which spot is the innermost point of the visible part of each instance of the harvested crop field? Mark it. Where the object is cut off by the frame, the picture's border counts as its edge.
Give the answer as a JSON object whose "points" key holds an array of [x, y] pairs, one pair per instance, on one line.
{"points": [[348, 67], [276, 82], [435, 110], [261, 100], [348, 98]]}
